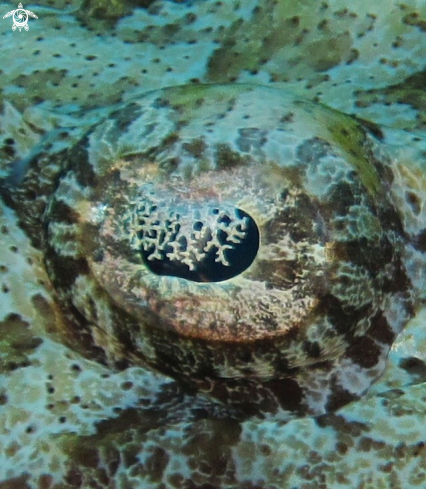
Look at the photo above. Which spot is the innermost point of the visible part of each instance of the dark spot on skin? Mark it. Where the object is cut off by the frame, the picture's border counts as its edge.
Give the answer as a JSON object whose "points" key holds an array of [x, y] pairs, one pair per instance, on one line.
{"points": [[74, 478], [288, 392], [170, 139], [61, 212], [160, 102], [380, 329], [363, 351], [190, 18], [195, 147], [169, 30], [79, 162], [419, 449], [123, 118], [87, 456], [413, 201], [371, 127], [64, 270], [312, 349], [344, 319], [323, 25], [353, 56], [9, 151], [156, 463], [18, 341], [295, 220], [365, 253], [367, 444], [230, 105], [17, 483], [126, 385], [414, 19], [169, 165], [245, 395], [226, 158], [280, 365], [3, 399], [339, 398], [295, 21], [45, 310], [245, 356], [415, 367], [342, 448], [419, 241], [98, 255]]}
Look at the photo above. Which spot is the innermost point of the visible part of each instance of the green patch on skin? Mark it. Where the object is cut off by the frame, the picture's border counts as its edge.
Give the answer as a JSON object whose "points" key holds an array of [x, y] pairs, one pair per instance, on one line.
{"points": [[93, 11], [100, 9], [191, 97], [257, 42], [250, 45], [196, 147], [351, 138], [227, 158], [327, 53]]}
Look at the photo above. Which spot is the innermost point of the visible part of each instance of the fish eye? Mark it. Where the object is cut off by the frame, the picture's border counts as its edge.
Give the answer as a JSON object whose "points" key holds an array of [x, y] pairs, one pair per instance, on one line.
{"points": [[243, 250], [216, 247]]}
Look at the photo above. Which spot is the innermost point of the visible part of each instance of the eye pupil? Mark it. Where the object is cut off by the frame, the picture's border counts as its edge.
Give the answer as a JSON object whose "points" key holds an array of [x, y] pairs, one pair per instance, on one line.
{"points": [[217, 248]]}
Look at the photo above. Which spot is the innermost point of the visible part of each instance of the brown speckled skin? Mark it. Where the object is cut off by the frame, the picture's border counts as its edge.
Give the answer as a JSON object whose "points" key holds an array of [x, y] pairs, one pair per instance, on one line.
{"points": [[340, 219]]}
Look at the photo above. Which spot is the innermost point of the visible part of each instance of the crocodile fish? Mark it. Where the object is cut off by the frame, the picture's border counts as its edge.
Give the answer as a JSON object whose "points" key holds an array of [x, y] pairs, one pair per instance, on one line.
{"points": [[213, 245]]}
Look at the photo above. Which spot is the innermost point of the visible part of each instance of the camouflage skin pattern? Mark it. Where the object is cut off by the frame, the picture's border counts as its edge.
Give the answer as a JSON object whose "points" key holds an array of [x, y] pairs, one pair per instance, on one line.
{"points": [[261, 250]]}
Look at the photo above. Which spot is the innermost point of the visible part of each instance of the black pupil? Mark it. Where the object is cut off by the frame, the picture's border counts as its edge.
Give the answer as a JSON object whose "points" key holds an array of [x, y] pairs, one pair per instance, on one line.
{"points": [[207, 254]]}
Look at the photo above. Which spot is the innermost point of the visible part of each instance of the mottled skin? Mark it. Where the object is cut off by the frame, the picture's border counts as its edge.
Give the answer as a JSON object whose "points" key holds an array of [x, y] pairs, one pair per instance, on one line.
{"points": [[70, 422]]}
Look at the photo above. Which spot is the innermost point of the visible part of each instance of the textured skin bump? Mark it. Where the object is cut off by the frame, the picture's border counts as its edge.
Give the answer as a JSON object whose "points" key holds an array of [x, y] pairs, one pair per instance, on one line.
{"points": [[82, 402], [165, 175]]}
